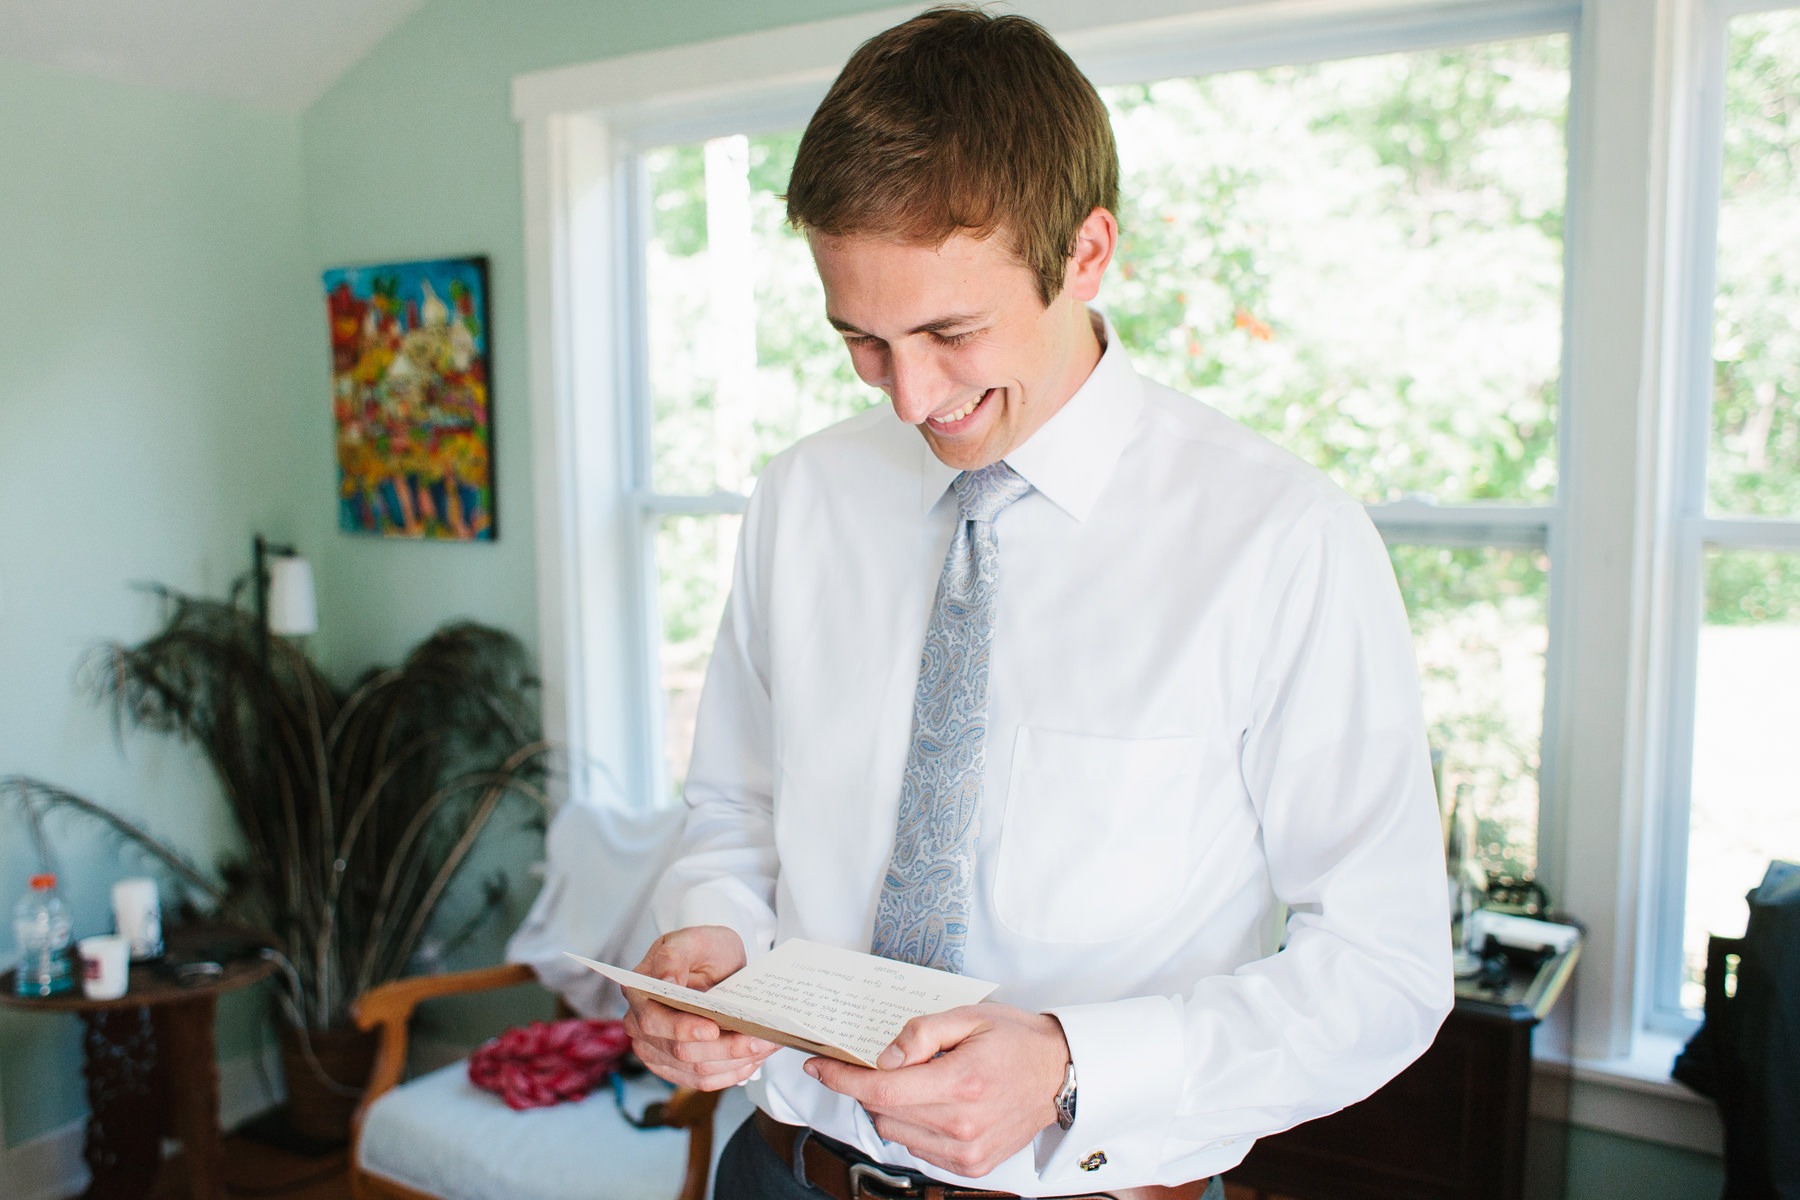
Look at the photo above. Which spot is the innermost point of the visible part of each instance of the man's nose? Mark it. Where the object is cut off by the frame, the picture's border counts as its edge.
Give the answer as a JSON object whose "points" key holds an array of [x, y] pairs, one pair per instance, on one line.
{"points": [[915, 385]]}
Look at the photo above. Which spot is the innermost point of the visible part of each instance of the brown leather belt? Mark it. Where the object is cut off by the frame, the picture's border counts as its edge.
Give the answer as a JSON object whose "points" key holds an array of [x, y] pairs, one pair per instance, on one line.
{"points": [[844, 1178]]}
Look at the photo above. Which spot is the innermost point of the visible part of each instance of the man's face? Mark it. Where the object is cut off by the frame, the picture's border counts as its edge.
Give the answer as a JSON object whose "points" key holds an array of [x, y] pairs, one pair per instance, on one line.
{"points": [[958, 338]]}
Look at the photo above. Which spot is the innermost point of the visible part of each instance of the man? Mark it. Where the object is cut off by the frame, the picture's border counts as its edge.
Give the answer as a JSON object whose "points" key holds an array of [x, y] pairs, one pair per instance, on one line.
{"points": [[1088, 691]]}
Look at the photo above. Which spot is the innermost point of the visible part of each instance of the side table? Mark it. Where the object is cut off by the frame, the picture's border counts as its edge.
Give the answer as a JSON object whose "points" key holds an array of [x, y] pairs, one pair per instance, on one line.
{"points": [[151, 1068], [1449, 1127]]}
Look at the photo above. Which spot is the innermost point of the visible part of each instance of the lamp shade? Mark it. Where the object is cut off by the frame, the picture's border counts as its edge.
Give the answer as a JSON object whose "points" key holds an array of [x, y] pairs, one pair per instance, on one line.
{"points": [[292, 608]]}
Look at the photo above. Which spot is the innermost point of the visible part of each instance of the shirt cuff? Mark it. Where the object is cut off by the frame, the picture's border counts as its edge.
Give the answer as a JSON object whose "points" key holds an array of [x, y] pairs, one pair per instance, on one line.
{"points": [[715, 904], [1128, 1077]]}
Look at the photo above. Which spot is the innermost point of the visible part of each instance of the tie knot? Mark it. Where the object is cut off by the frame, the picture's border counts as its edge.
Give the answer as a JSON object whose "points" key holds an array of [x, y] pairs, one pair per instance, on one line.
{"points": [[984, 493]]}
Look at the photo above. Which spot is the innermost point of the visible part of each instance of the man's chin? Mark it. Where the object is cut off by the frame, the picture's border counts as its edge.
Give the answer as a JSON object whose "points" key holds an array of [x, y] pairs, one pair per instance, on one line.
{"points": [[970, 455]]}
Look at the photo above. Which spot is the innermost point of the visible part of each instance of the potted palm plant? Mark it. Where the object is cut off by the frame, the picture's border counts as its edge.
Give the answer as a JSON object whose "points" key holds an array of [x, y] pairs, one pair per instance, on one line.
{"points": [[358, 806]]}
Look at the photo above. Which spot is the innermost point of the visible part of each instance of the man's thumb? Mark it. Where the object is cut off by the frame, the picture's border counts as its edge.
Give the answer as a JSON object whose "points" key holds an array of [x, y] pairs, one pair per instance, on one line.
{"points": [[924, 1038]]}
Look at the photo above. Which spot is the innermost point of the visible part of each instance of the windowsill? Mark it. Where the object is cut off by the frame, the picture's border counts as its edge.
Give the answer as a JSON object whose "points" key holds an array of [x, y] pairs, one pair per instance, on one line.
{"points": [[1631, 1095]]}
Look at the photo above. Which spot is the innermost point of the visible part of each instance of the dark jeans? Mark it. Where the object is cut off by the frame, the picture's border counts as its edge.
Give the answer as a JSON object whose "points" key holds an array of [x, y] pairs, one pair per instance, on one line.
{"points": [[750, 1170]]}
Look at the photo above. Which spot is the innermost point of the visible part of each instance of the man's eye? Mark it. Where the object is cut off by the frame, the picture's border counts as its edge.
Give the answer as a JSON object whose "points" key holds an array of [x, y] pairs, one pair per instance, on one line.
{"points": [[953, 340], [860, 339]]}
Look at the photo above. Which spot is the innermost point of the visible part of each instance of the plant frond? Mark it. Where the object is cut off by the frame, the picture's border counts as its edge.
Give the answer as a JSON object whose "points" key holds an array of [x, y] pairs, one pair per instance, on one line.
{"points": [[29, 793], [357, 805]]}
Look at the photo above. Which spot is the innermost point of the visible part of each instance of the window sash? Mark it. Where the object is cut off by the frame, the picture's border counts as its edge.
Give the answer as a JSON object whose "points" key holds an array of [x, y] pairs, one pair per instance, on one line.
{"points": [[1691, 531], [1134, 58], [582, 125]]}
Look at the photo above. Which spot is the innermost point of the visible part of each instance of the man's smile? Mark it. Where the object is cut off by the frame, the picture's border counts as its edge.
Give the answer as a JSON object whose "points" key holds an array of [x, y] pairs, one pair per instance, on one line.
{"points": [[950, 422]]}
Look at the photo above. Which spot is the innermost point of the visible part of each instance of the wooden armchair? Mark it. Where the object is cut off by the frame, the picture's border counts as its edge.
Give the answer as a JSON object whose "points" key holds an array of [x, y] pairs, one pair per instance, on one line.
{"points": [[590, 1152]]}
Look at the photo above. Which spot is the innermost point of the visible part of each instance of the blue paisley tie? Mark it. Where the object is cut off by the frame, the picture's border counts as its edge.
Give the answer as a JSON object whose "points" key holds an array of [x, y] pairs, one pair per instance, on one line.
{"points": [[923, 915]]}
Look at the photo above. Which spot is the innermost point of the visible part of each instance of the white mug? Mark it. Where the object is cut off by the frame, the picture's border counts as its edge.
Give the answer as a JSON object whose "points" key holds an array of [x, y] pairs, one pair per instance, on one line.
{"points": [[104, 969], [137, 914]]}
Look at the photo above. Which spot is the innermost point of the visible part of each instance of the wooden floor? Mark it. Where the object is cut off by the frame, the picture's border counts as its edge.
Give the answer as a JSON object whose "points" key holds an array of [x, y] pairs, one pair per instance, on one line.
{"points": [[254, 1171]]}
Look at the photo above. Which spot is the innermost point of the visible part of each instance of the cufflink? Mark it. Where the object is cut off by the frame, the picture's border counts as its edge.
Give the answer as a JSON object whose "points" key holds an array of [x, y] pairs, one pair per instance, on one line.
{"points": [[1094, 1161]]}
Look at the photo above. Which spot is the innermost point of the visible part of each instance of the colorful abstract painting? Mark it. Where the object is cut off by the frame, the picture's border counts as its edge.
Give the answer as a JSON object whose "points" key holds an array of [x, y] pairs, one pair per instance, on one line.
{"points": [[409, 389]]}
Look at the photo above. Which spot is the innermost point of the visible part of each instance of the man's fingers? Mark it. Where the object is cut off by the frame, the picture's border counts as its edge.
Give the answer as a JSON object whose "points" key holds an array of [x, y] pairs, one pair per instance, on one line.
{"points": [[672, 960], [924, 1038], [697, 956], [966, 1089], [885, 1090], [733, 1046], [705, 1076], [682, 1047], [964, 1150], [648, 1018]]}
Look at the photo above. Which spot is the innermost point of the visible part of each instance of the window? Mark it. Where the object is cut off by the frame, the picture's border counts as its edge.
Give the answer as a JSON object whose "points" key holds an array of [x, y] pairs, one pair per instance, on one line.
{"points": [[1360, 258], [1733, 802], [739, 364], [1385, 276]]}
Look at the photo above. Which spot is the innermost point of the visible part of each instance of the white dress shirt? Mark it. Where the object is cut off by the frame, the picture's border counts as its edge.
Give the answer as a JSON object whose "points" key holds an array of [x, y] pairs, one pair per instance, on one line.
{"points": [[1204, 744]]}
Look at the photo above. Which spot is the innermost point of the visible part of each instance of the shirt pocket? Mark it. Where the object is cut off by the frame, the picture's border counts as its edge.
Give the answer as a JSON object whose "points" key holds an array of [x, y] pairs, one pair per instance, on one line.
{"points": [[1098, 834]]}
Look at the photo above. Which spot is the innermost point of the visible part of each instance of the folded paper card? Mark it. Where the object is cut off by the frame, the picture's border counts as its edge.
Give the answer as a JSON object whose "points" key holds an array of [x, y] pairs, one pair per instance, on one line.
{"points": [[840, 1003]]}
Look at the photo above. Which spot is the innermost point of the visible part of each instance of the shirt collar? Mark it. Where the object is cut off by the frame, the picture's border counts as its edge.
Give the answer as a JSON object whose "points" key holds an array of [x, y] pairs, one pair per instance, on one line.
{"points": [[1072, 456]]}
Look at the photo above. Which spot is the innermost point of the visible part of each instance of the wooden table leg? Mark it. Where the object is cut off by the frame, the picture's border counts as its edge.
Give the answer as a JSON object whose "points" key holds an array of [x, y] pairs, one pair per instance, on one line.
{"points": [[123, 1145], [184, 1044]]}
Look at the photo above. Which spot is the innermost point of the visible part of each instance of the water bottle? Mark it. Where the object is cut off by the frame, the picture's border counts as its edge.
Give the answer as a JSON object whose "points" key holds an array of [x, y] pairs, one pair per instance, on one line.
{"points": [[41, 925]]}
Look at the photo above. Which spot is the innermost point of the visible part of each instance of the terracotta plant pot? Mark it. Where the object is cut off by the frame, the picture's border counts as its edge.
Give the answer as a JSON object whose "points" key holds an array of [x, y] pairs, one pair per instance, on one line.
{"points": [[317, 1110]]}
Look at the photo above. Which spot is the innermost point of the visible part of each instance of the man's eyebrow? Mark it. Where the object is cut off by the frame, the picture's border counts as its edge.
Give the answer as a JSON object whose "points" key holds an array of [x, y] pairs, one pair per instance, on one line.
{"points": [[938, 325]]}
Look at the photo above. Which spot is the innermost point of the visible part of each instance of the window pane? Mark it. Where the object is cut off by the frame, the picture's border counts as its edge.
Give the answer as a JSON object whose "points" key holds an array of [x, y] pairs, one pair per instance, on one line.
{"points": [[1755, 457], [1745, 807], [741, 360], [693, 570], [1361, 259], [1479, 629]]}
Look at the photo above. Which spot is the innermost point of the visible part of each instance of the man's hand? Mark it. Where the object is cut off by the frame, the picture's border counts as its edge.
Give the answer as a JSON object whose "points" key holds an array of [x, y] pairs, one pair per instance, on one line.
{"points": [[964, 1090], [683, 1048]]}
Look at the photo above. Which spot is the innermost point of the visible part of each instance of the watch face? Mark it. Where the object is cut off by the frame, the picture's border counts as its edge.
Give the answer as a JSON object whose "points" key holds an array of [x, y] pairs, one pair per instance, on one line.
{"points": [[1065, 1099]]}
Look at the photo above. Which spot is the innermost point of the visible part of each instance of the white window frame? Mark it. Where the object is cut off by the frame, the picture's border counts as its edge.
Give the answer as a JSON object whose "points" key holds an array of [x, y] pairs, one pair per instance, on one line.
{"points": [[1606, 533], [1690, 531]]}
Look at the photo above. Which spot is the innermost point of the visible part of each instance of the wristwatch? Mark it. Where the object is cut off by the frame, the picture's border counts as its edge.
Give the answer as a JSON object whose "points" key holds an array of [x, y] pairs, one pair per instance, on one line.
{"points": [[1065, 1098]]}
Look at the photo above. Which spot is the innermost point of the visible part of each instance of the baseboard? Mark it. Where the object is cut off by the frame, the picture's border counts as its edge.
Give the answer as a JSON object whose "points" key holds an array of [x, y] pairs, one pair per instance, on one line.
{"points": [[1600, 1095], [249, 1089], [49, 1166]]}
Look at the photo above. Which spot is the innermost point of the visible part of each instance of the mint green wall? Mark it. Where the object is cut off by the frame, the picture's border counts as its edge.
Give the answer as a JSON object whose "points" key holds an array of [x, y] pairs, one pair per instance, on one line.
{"points": [[1605, 1166], [164, 396], [414, 154], [153, 313]]}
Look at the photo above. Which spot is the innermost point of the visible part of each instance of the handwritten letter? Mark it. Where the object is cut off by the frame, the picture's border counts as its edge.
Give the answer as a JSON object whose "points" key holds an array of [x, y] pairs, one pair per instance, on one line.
{"points": [[817, 998]]}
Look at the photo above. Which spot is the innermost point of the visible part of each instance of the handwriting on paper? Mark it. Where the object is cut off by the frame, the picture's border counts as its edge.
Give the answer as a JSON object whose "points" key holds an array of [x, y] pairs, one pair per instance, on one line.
{"points": [[818, 998]]}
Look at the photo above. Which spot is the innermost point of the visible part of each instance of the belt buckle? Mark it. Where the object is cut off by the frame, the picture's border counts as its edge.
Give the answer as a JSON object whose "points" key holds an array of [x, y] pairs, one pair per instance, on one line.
{"points": [[862, 1173]]}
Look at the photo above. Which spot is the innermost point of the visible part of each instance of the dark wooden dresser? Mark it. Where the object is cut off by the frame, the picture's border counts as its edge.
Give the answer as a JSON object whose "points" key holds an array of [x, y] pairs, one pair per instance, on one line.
{"points": [[1449, 1127]]}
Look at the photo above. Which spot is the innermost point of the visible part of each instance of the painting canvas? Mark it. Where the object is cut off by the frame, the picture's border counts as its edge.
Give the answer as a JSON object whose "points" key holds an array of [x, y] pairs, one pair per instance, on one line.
{"points": [[410, 378]]}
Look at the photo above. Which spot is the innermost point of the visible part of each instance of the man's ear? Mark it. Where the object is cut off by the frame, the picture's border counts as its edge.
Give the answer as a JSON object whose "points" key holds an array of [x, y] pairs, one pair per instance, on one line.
{"points": [[1095, 242]]}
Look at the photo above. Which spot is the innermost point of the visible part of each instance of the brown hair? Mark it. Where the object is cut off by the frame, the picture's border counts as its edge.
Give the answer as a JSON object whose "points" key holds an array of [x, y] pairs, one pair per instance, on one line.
{"points": [[959, 122]]}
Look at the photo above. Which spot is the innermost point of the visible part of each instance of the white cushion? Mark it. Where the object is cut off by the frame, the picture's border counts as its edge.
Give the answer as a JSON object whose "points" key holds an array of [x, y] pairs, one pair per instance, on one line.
{"points": [[441, 1134]]}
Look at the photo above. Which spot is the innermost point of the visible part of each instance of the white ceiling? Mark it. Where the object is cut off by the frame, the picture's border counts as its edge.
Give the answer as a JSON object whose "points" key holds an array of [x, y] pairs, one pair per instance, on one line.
{"points": [[276, 53]]}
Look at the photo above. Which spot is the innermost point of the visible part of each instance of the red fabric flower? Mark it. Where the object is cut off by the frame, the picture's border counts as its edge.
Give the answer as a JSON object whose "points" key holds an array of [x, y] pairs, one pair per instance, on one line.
{"points": [[548, 1062]]}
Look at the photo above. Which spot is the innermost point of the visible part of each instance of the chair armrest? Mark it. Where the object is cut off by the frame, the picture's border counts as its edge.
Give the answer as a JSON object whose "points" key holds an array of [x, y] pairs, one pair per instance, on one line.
{"points": [[684, 1109], [693, 1111], [390, 1007]]}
